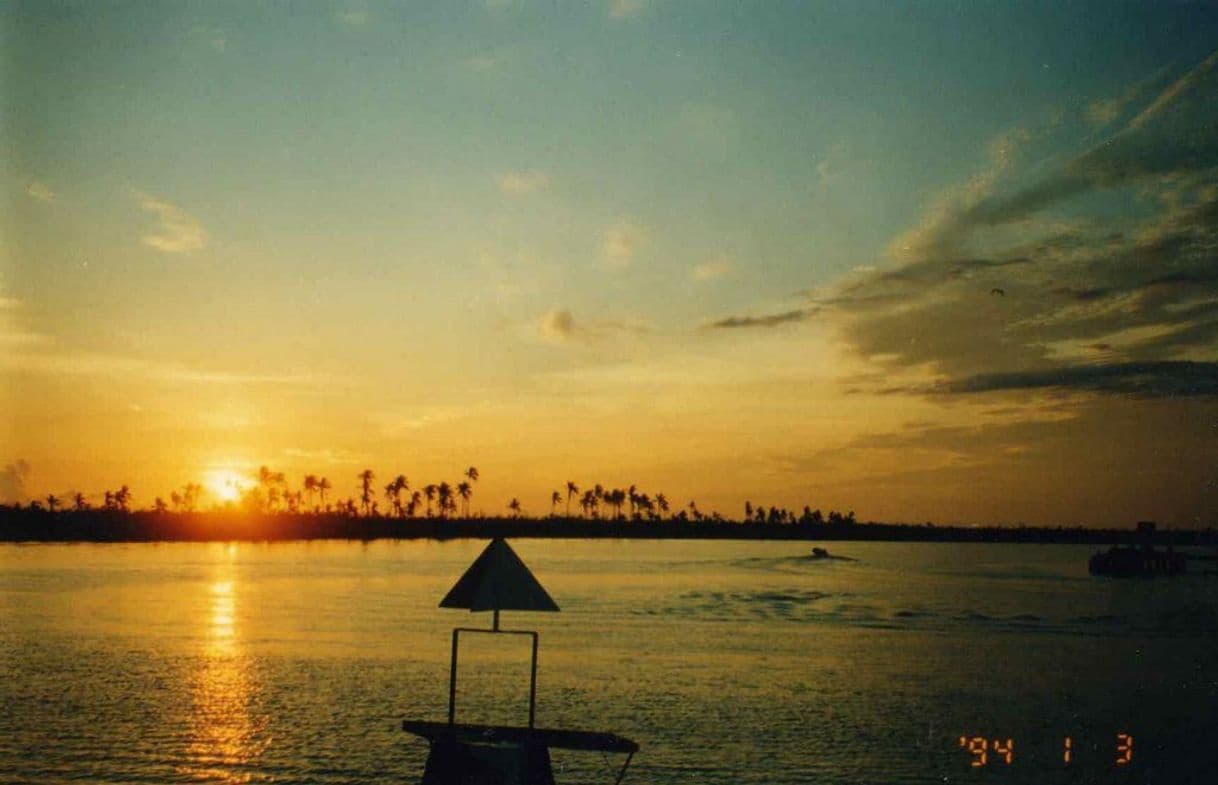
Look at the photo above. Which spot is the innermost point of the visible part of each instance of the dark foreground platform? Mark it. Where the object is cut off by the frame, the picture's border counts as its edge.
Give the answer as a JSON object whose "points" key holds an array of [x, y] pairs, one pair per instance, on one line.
{"points": [[588, 741], [504, 755]]}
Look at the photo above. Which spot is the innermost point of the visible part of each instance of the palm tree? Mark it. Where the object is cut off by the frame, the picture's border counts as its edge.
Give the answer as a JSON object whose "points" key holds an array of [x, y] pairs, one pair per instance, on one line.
{"points": [[572, 489], [514, 506], [444, 494], [662, 503], [465, 490], [122, 497], [52, 502], [323, 485], [190, 496], [79, 502], [310, 487], [392, 498], [472, 475], [365, 478], [416, 498], [270, 482], [430, 492], [616, 497], [159, 505], [399, 484], [643, 504], [555, 498]]}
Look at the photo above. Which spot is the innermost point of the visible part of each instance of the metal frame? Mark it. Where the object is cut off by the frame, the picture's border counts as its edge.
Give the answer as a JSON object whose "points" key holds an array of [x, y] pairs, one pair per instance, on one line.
{"points": [[452, 673]]}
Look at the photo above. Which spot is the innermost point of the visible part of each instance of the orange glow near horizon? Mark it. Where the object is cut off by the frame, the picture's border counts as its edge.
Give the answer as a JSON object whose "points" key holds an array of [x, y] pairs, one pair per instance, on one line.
{"points": [[226, 485]]}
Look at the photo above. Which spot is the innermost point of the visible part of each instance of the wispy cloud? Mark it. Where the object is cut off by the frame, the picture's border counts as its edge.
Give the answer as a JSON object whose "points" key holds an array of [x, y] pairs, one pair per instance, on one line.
{"points": [[558, 326], [176, 231], [830, 168], [1037, 286], [1104, 111], [945, 222], [485, 62], [523, 182], [353, 16], [12, 481], [622, 242], [15, 337], [326, 456], [1176, 90], [1155, 143], [767, 320], [624, 9], [397, 423], [711, 269], [40, 191], [39, 355]]}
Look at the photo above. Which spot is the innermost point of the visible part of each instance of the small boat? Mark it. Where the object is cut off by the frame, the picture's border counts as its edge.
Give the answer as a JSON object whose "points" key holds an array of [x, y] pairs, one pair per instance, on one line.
{"points": [[1132, 562], [821, 553], [1139, 560]]}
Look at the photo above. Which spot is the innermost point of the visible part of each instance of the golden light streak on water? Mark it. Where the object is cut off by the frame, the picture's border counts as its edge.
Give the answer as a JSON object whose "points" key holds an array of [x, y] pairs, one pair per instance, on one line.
{"points": [[225, 733], [221, 637]]}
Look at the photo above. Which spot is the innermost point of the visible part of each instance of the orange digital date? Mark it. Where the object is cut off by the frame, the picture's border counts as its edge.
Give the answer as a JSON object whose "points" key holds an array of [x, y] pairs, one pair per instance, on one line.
{"points": [[984, 750]]}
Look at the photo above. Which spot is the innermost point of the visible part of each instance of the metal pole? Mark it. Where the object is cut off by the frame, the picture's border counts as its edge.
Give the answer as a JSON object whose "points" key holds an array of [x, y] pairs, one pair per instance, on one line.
{"points": [[533, 683], [495, 623], [622, 773], [452, 682]]}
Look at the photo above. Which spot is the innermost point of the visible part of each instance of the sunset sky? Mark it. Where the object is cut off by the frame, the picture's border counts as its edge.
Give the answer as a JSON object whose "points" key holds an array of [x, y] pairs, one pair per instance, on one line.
{"points": [[726, 251]]}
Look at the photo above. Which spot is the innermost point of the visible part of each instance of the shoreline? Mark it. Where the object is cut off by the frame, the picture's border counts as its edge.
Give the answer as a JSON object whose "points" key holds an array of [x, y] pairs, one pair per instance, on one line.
{"points": [[115, 526]]}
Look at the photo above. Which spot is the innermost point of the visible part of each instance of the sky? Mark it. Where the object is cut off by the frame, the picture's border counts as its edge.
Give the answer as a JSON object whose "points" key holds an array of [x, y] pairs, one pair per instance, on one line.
{"points": [[923, 261]]}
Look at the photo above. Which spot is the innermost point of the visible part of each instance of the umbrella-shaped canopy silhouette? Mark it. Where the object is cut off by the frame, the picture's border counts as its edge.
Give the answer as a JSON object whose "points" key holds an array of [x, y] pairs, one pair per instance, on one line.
{"points": [[498, 580]]}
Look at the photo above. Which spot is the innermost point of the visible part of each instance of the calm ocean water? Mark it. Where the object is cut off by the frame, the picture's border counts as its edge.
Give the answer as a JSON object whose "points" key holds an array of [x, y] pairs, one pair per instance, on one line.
{"points": [[729, 662]]}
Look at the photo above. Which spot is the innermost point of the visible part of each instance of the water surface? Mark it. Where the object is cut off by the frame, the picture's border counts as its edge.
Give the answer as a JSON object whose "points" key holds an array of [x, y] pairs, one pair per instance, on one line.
{"points": [[729, 662]]}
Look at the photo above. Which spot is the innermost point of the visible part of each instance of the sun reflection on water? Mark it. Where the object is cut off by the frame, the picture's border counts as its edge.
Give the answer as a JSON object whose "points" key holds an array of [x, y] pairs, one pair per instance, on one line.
{"points": [[226, 733]]}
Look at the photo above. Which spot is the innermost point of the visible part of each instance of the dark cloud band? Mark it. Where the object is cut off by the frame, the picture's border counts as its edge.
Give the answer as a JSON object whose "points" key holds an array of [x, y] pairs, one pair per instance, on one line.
{"points": [[770, 320], [1166, 378]]}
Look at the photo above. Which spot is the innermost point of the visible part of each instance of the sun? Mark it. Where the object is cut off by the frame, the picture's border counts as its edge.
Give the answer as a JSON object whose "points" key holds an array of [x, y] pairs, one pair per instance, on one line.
{"points": [[226, 485]]}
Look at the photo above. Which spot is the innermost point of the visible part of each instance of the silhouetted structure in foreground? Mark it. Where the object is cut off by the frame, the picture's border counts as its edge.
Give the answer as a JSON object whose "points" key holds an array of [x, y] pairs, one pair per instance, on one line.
{"points": [[1140, 560], [464, 754]]}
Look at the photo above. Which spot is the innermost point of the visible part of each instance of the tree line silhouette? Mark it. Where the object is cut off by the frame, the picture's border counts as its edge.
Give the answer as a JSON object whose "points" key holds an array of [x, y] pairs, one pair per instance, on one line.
{"points": [[267, 506], [270, 492]]}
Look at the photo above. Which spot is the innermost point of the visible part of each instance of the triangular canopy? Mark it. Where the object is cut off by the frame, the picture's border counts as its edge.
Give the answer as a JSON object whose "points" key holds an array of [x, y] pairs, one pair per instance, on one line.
{"points": [[498, 580]]}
